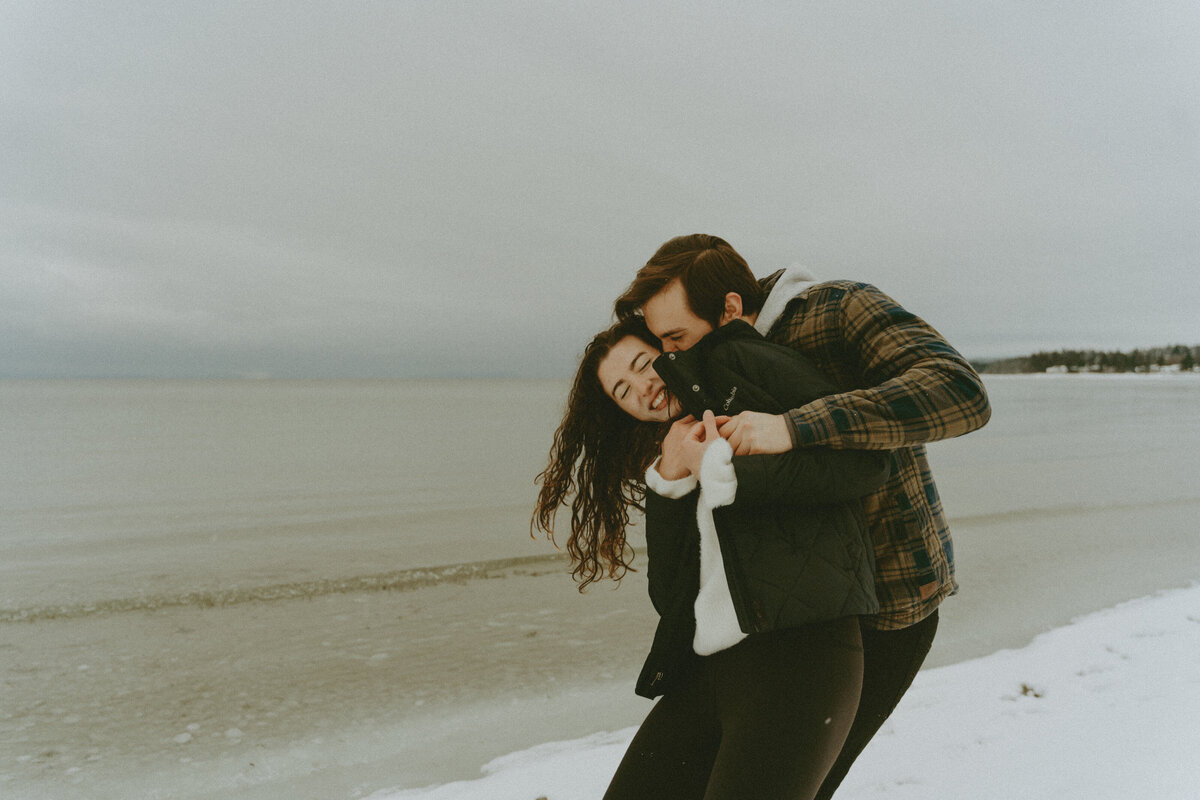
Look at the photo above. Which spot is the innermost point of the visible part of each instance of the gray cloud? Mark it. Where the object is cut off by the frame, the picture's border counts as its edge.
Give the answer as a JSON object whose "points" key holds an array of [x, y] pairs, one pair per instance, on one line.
{"points": [[403, 188]]}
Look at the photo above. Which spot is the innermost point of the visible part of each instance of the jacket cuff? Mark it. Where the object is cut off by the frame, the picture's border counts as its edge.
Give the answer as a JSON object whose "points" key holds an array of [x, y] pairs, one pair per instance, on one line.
{"points": [[718, 481], [810, 426], [672, 490]]}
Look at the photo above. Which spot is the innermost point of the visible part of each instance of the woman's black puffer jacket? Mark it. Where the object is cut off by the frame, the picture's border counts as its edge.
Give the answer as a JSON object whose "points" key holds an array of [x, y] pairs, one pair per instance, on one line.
{"points": [[794, 542]]}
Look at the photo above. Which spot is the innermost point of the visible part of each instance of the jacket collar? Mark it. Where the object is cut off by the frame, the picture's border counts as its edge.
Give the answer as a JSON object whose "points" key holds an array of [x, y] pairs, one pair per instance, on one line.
{"points": [[736, 329]]}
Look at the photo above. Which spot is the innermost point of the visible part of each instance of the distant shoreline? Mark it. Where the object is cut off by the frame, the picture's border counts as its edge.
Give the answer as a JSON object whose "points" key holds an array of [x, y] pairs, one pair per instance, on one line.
{"points": [[1172, 358], [1090, 373]]}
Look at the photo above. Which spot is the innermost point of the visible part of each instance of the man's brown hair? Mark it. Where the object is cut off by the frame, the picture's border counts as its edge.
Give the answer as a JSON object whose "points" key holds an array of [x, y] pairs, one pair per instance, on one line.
{"points": [[707, 267]]}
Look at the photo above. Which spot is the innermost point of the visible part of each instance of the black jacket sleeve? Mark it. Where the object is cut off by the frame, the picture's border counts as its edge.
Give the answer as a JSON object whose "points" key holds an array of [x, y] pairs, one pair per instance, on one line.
{"points": [[813, 476]]}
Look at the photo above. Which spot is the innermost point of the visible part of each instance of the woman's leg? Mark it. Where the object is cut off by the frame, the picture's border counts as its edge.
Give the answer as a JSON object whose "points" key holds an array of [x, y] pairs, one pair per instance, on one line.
{"points": [[672, 753], [786, 701]]}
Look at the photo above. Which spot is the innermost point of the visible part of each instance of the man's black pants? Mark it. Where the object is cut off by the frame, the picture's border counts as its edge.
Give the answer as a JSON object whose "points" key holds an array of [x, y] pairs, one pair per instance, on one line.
{"points": [[891, 660]]}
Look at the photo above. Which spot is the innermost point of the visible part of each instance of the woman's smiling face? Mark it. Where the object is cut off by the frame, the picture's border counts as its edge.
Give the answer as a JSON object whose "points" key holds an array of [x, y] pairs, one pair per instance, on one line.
{"points": [[628, 377]]}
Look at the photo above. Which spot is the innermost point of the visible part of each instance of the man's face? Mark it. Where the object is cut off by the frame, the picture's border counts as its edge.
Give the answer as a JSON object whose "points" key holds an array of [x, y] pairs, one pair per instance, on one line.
{"points": [[670, 318]]}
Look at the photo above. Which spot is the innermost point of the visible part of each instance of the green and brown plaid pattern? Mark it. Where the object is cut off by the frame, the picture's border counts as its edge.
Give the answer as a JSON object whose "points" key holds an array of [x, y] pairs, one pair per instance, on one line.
{"points": [[903, 385]]}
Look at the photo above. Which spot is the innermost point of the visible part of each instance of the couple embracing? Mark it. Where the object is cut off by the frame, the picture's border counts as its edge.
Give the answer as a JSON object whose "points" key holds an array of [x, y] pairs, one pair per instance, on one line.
{"points": [[772, 430]]}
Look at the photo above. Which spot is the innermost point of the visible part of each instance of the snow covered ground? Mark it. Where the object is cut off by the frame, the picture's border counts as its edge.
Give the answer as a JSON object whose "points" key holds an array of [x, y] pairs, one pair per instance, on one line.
{"points": [[1106, 707]]}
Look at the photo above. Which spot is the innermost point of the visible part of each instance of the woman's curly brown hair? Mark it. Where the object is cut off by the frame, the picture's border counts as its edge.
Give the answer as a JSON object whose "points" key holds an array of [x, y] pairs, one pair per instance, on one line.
{"points": [[598, 461]]}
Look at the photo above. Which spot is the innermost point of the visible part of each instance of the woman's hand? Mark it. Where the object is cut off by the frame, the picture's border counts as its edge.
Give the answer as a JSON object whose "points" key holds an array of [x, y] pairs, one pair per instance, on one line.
{"points": [[671, 466], [698, 438]]}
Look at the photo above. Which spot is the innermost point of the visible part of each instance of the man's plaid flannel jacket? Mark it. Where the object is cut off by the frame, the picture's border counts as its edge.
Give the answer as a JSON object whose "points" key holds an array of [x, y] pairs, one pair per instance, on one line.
{"points": [[903, 385]]}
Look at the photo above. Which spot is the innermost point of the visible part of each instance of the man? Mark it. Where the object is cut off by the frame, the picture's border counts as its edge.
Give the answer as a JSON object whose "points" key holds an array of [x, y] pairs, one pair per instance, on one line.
{"points": [[902, 386]]}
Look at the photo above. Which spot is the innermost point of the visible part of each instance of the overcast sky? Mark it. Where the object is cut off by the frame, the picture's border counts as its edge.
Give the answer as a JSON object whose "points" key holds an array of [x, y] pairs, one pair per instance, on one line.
{"points": [[429, 188]]}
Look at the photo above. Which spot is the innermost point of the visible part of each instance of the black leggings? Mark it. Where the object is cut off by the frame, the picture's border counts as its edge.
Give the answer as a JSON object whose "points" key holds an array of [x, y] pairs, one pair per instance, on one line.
{"points": [[891, 660], [764, 719]]}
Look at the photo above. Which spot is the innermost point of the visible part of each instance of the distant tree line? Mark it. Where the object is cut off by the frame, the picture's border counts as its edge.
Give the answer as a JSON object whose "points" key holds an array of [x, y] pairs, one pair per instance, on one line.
{"points": [[1151, 359]]}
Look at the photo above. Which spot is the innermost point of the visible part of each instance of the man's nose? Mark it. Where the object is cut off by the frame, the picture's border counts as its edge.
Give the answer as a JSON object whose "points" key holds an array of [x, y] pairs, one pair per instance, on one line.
{"points": [[670, 347]]}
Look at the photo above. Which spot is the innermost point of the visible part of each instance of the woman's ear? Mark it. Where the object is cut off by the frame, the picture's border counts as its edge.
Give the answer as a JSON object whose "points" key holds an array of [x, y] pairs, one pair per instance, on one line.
{"points": [[733, 308]]}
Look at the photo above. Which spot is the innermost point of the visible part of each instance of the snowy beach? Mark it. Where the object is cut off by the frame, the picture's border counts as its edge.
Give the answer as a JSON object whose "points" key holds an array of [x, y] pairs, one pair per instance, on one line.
{"points": [[1102, 709], [280, 668]]}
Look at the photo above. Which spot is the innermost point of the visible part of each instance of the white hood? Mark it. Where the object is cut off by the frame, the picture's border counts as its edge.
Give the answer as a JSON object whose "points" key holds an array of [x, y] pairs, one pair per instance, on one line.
{"points": [[794, 282]]}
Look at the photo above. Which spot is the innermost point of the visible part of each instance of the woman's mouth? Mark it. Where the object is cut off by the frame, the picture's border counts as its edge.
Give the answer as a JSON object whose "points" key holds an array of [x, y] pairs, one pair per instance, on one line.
{"points": [[659, 401]]}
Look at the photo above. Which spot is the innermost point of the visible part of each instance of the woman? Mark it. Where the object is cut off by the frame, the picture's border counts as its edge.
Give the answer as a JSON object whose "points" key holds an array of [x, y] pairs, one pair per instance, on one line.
{"points": [[758, 565]]}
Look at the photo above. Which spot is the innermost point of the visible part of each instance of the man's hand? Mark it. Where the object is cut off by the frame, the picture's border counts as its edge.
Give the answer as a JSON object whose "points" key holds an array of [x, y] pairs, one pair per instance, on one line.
{"points": [[751, 432], [672, 465]]}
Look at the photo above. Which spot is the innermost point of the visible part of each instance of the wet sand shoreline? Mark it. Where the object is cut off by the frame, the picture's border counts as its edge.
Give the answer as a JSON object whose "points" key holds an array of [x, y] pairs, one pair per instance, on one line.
{"points": [[91, 700]]}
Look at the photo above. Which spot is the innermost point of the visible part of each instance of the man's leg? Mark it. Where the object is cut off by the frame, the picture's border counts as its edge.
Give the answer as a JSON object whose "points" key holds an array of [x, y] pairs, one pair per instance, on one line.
{"points": [[891, 659]]}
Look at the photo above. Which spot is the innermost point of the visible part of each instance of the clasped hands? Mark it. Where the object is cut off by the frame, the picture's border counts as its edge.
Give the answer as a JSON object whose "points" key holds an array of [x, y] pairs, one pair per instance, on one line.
{"points": [[748, 433]]}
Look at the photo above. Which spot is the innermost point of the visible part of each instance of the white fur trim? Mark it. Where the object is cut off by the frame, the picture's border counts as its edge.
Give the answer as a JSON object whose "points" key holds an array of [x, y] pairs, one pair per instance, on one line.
{"points": [[718, 482], [793, 283], [716, 620], [672, 490]]}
